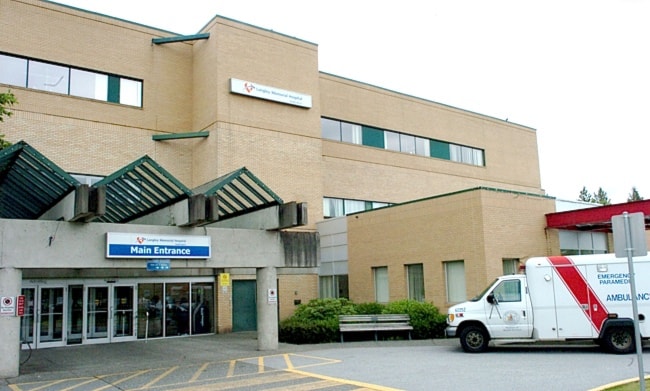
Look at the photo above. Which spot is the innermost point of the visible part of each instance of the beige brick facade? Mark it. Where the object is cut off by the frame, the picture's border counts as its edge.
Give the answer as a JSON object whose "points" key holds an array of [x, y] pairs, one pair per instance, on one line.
{"points": [[186, 89], [480, 227]]}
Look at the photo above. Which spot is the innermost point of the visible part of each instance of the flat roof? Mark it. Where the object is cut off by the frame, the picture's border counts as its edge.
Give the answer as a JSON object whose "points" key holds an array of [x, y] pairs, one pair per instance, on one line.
{"points": [[597, 218]]}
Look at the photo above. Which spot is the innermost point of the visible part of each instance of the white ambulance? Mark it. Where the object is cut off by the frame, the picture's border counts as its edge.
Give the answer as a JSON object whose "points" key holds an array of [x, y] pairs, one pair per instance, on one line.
{"points": [[559, 298]]}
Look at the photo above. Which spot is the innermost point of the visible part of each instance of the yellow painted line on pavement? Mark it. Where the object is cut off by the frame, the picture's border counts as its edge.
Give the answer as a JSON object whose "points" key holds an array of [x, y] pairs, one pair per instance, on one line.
{"points": [[92, 379], [199, 372], [260, 364], [231, 368], [324, 361], [122, 380], [287, 360], [46, 385], [240, 382], [159, 378], [344, 381], [315, 385]]}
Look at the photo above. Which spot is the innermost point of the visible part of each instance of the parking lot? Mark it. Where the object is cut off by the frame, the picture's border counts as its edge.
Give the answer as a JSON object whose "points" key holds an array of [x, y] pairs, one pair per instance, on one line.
{"points": [[232, 362]]}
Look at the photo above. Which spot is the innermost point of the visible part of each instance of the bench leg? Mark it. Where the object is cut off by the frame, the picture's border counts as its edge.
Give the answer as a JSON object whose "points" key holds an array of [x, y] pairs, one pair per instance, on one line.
{"points": [[375, 335]]}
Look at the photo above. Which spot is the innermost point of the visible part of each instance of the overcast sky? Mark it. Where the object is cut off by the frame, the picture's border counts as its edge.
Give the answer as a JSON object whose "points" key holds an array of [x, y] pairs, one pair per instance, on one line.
{"points": [[577, 71]]}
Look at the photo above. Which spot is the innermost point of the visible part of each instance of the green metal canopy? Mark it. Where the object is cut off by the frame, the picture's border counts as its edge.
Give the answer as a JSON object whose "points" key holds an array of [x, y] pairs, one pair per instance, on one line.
{"points": [[140, 188], [239, 192], [30, 183]]}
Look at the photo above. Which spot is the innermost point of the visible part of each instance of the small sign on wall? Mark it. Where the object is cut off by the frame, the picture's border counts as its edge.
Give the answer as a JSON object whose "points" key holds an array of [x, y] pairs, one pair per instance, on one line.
{"points": [[7, 306], [273, 296]]}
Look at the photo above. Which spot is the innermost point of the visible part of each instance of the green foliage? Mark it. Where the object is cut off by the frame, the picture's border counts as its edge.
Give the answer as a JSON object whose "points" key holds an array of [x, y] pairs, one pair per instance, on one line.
{"points": [[369, 308], [298, 331], [322, 309], [634, 195], [426, 319], [585, 195], [599, 197], [7, 99], [317, 321]]}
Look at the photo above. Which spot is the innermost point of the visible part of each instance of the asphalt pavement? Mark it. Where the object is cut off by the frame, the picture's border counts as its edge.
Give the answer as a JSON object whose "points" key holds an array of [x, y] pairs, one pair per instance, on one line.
{"points": [[232, 361]]}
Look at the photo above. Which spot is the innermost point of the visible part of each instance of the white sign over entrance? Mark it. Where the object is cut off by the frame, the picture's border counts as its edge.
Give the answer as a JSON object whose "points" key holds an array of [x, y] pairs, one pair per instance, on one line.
{"points": [[255, 90], [147, 246]]}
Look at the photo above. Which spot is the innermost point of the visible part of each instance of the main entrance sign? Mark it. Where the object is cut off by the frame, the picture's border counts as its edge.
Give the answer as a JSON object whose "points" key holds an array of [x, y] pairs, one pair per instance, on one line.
{"points": [[134, 245]]}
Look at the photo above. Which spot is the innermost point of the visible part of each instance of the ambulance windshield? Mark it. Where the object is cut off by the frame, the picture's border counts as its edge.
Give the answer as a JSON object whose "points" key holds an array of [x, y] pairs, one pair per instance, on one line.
{"points": [[478, 297]]}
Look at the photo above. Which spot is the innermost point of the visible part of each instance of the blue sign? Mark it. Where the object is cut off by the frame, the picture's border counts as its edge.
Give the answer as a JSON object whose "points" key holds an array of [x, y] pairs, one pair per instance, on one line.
{"points": [[127, 245], [159, 265]]}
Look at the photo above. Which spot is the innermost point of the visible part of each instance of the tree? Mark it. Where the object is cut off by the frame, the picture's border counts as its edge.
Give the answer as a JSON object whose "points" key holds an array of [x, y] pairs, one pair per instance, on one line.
{"points": [[600, 197], [7, 99], [585, 195], [634, 196]]}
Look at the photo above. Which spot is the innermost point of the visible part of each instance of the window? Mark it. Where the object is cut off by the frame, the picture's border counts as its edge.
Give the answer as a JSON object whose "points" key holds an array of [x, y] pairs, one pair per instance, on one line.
{"points": [[462, 154], [415, 282], [508, 291], [455, 278], [350, 133], [407, 143], [61, 79], [391, 141], [88, 84], [510, 266], [580, 243], [400, 142], [14, 71], [422, 146], [48, 77], [380, 275], [353, 206], [333, 287], [130, 92], [334, 207], [330, 129]]}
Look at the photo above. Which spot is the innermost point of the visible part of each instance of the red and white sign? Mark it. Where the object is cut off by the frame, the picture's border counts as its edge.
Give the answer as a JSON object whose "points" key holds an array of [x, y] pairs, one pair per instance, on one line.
{"points": [[20, 305], [273, 296], [7, 306]]}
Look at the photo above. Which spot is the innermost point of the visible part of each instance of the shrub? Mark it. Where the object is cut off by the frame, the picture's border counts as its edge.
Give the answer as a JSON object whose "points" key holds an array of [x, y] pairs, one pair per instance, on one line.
{"points": [[369, 308], [315, 322], [426, 319]]}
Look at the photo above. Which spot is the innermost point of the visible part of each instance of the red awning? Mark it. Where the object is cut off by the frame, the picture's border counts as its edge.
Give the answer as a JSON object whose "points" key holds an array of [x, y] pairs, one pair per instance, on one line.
{"points": [[597, 218]]}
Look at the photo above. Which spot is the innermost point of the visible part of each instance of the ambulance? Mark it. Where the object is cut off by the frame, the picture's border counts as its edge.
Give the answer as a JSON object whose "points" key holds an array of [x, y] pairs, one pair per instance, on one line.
{"points": [[558, 298]]}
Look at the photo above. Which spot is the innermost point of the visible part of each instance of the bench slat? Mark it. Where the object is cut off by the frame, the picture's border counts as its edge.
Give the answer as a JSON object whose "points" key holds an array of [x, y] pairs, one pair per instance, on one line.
{"points": [[379, 322]]}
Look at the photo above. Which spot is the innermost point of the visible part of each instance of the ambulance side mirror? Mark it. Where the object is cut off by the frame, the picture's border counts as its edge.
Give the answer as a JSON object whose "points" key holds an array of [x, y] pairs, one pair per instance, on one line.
{"points": [[491, 299]]}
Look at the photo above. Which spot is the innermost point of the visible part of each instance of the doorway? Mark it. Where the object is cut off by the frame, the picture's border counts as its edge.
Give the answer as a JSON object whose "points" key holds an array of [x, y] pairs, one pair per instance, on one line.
{"points": [[244, 305]]}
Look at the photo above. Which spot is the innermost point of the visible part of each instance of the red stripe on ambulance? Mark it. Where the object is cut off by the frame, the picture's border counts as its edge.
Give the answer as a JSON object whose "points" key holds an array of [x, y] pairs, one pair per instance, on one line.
{"points": [[581, 291]]}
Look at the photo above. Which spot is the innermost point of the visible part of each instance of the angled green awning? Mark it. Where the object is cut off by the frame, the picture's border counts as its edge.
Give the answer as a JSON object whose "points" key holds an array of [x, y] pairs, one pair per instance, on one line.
{"points": [[30, 183], [140, 188], [239, 192]]}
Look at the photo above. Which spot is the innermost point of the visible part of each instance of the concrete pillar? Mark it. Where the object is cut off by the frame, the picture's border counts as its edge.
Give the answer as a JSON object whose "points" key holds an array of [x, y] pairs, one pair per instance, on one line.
{"points": [[10, 284], [267, 309]]}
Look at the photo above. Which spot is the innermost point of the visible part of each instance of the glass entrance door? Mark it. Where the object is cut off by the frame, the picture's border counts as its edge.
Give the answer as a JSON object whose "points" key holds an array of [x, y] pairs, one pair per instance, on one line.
{"points": [[123, 312], [97, 314], [110, 313], [50, 319]]}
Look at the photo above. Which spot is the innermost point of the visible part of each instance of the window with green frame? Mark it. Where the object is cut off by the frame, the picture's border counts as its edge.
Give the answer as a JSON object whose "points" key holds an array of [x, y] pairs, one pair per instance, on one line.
{"points": [[332, 129], [63, 79]]}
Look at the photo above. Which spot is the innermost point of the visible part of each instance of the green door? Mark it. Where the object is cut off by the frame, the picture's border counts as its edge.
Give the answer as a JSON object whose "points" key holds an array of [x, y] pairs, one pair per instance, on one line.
{"points": [[244, 305]]}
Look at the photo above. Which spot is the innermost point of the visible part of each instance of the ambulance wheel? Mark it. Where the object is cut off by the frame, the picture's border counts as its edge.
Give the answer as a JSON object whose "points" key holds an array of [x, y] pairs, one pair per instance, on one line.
{"points": [[474, 339], [619, 340]]}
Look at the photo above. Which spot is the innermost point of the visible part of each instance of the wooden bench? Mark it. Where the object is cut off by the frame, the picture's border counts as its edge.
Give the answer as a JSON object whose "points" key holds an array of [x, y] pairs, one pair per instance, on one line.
{"points": [[375, 323]]}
